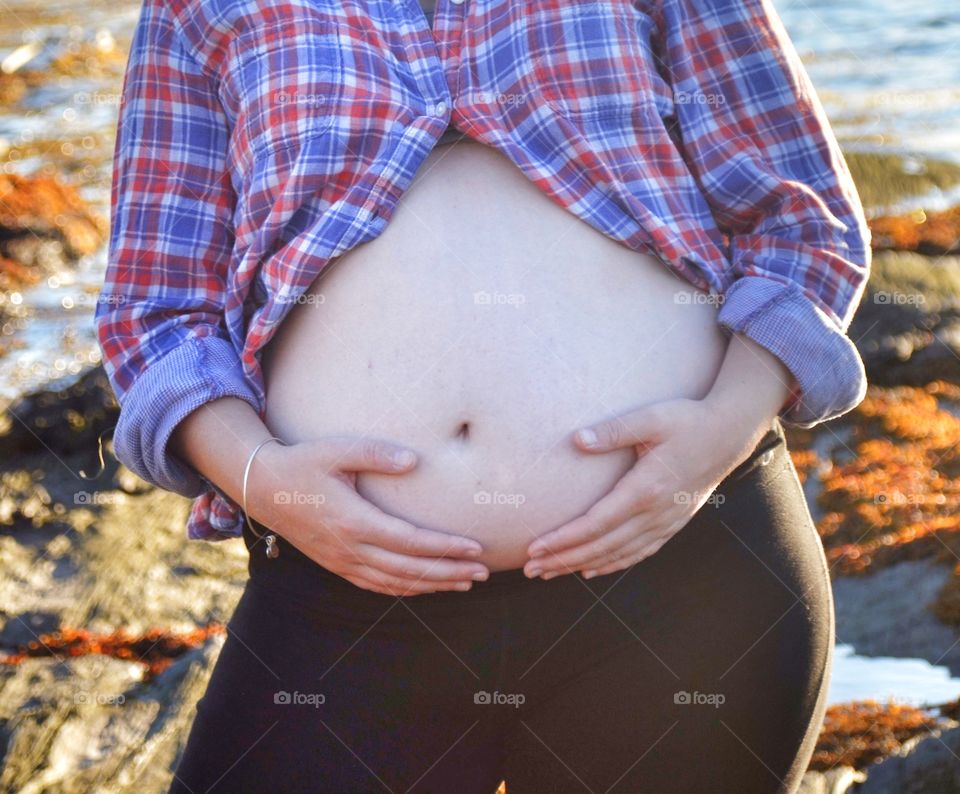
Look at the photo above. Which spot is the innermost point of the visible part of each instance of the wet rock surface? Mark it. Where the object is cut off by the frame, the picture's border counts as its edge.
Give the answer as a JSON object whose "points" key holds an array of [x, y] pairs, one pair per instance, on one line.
{"points": [[81, 708], [875, 618], [907, 328], [925, 767], [35, 211]]}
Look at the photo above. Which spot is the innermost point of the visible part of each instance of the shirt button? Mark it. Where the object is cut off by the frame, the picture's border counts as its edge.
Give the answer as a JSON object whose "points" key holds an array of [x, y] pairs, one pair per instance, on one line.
{"points": [[440, 108]]}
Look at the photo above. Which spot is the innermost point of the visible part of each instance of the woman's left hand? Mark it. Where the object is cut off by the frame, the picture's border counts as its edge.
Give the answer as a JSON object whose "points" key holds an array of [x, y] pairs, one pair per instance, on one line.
{"points": [[685, 450]]}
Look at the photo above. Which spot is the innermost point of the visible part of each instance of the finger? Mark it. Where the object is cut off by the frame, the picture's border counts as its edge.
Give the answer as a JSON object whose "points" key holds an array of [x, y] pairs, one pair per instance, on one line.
{"points": [[372, 525], [352, 453], [641, 426], [437, 569], [381, 582], [623, 557], [405, 588], [608, 546], [629, 557], [623, 501]]}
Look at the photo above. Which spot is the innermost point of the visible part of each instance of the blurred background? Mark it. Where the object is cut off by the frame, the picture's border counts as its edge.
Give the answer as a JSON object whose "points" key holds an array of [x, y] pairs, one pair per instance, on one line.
{"points": [[110, 620]]}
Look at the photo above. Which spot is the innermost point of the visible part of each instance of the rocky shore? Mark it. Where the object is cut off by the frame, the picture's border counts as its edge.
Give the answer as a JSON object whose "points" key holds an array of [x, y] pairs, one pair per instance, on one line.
{"points": [[110, 621]]}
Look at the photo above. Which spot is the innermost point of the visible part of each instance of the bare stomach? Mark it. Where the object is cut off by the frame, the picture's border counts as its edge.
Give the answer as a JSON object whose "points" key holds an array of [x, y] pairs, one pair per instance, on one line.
{"points": [[482, 328]]}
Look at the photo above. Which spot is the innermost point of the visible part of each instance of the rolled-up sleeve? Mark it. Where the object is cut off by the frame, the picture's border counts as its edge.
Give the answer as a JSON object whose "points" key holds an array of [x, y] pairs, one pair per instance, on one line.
{"points": [[757, 140], [160, 314]]}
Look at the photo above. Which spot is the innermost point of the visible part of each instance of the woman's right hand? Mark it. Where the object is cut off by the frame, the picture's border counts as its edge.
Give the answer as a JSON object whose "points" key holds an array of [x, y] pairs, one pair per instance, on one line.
{"points": [[332, 524]]}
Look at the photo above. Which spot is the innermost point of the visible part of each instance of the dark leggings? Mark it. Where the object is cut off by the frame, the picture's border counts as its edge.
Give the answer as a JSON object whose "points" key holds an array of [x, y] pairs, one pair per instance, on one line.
{"points": [[702, 668]]}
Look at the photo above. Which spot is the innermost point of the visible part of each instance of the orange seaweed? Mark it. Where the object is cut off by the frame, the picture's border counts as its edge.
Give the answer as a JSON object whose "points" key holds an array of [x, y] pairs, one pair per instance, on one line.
{"points": [[155, 648], [898, 496], [857, 734], [922, 230]]}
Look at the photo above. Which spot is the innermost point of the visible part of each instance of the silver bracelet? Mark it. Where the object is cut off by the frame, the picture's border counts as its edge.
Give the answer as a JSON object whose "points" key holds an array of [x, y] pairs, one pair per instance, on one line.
{"points": [[272, 550]]}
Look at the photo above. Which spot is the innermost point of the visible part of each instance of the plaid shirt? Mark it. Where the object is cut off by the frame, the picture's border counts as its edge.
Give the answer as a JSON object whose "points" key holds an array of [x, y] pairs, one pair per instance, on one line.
{"points": [[259, 139]]}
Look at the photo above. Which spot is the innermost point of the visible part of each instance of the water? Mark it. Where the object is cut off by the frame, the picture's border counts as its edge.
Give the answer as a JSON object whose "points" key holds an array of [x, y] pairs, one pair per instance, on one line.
{"points": [[913, 682], [72, 119], [888, 73]]}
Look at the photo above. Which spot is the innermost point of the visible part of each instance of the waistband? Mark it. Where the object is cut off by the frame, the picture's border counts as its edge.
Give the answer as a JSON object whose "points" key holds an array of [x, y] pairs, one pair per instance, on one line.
{"points": [[773, 441]]}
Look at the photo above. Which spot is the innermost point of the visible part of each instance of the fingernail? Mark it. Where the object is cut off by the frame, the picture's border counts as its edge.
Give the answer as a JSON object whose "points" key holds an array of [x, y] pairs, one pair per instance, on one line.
{"points": [[480, 576], [472, 551], [587, 437], [535, 571], [404, 457], [550, 575], [463, 586], [589, 574]]}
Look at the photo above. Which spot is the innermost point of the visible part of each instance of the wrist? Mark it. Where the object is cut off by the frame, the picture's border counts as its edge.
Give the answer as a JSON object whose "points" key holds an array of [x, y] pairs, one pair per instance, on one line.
{"points": [[265, 479], [733, 417], [751, 380]]}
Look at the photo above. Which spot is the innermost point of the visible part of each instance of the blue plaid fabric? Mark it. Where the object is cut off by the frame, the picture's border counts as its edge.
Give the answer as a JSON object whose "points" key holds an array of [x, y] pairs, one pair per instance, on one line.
{"points": [[260, 139]]}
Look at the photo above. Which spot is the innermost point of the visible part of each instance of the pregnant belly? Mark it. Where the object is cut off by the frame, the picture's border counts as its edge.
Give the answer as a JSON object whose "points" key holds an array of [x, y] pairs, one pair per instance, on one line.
{"points": [[481, 329]]}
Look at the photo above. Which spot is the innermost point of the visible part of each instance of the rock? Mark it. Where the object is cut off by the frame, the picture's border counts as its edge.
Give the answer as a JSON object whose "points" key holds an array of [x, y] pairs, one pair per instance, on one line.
{"points": [[43, 705], [95, 722], [37, 214], [885, 613], [15, 276], [926, 767], [27, 626], [907, 327], [72, 725], [885, 180], [63, 419]]}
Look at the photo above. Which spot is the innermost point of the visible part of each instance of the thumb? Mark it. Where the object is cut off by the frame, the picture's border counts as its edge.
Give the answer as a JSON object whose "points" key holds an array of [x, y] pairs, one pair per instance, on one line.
{"points": [[355, 453], [640, 426]]}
